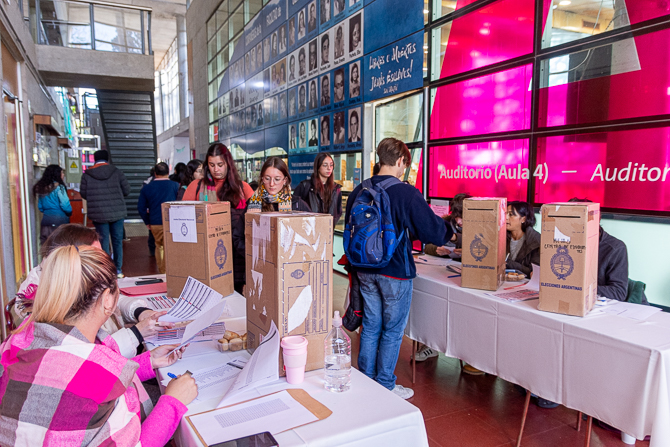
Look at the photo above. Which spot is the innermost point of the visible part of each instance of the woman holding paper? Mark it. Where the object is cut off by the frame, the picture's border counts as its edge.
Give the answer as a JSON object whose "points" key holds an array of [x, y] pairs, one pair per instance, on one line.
{"points": [[129, 310], [274, 192], [222, 182], [523, 242], [90, 394]]}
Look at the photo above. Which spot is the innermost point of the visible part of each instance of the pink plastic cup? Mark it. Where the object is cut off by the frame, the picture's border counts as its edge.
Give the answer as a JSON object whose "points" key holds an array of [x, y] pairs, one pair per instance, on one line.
{"points": [[294, 350]]}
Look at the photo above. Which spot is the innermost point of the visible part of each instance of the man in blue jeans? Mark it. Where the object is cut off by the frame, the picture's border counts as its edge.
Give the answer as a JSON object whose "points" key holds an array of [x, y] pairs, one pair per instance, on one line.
{"points": [[105, 187], [387, 292]]}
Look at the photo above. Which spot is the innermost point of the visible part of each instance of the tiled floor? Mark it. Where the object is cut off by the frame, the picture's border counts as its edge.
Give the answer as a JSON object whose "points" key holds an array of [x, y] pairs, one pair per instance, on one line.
{"points": [[459, 410]]}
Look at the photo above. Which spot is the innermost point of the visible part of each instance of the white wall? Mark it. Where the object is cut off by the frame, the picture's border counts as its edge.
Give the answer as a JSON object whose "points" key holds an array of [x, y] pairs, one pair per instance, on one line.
{"points": [[174, 150]]}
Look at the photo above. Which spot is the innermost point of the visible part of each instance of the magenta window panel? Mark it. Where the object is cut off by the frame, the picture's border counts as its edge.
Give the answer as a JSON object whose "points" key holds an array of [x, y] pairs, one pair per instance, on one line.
{"points": [[639, 85], [499, 102], [495, 33], [498, 169], [608, 167]]}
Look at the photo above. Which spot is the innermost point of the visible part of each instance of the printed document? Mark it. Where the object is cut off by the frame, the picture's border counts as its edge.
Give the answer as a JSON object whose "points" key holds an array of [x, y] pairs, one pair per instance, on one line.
{"points": [[214, 381], [182, 223], [201, 323], [196, 299]]}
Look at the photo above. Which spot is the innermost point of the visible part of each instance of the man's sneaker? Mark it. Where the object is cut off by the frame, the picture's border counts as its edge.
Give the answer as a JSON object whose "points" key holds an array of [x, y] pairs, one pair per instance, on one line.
{"points": [[467, 369], [425, 354], [403, 392], [120, 275]]}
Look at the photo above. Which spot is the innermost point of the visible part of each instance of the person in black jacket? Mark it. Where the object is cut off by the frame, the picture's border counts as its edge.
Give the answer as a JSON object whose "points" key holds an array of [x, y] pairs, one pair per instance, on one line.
{"points": [[387, 292], [104, 187], [320, 191], [523, 242], [274, 192], [455, 220]]}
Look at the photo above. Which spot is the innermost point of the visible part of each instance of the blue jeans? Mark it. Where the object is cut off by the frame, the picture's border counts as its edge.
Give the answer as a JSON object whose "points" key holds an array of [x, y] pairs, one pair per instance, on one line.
{"points": [[385, 314], [115, 229]]}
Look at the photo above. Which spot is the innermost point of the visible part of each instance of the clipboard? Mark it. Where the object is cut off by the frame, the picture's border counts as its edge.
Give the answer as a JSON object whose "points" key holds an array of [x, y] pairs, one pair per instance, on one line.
{"points": [[315, 407], [148, 289]]}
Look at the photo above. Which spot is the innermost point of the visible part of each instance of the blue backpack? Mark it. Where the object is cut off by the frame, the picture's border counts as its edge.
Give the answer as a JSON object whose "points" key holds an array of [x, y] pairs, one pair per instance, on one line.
{"points": [[370, 237]]}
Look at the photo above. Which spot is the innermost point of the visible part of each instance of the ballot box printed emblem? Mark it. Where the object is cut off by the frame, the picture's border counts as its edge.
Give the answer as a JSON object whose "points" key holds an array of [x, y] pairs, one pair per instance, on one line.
{"points": [[478, 249], [561, 263], [220, 254], [297, 274], [184, 229]]}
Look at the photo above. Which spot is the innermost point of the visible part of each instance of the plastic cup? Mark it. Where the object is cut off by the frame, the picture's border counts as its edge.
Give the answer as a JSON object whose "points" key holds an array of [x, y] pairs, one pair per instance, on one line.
{"points": [[294, 349], [627, 439]]}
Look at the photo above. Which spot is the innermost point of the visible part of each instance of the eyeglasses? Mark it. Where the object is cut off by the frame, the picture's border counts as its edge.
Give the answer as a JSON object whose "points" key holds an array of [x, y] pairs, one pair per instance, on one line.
{"points": [[273, 181]]}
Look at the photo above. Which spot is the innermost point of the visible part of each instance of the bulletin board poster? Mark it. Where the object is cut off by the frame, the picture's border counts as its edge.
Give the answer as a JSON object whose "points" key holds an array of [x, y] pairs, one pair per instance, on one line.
{"points": [[308, 66]]}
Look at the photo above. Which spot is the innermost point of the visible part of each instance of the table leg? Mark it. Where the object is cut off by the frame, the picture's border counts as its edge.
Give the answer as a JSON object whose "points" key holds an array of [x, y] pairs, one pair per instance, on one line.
{"points": [[579, 421], [589, 424], [413, 362], [523, 418]]}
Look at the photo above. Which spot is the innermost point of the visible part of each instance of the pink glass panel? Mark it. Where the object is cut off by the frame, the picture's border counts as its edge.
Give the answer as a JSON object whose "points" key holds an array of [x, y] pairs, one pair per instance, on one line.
{"points": [[638, 11], [499, 102], [606, 168], [641, 92], [497, 169], [495, 33]]}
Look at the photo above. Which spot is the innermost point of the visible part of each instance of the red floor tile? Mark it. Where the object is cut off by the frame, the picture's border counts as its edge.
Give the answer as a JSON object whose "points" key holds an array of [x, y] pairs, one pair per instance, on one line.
{"points": [[464, 428]]}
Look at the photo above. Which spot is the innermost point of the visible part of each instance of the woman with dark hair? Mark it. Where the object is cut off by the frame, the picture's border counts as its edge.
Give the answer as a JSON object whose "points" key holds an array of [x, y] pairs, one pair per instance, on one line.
{"points": [[455, 220], [523, 242], [221, 182], [53, 201], [193, 171], [320, 192], [179, 170], [274, 192]]}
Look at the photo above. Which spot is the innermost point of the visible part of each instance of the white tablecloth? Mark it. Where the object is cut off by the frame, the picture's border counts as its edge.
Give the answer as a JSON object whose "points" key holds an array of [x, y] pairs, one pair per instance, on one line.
{"points": [[368, 415], [612, 368]]}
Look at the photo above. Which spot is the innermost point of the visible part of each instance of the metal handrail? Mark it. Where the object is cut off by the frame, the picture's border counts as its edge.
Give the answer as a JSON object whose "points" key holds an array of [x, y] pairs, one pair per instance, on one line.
{"points": [[113, 5]]}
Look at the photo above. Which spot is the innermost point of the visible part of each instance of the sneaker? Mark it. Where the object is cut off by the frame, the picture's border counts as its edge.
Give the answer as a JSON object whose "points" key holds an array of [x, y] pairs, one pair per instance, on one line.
{"points": [[425, 354], [403, 392], [120, 275], [467, 369], [546, 404]]}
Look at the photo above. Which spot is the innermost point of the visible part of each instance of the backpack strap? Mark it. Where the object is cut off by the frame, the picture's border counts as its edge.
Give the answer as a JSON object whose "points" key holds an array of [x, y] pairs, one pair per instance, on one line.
{"points": [[388, 182]]}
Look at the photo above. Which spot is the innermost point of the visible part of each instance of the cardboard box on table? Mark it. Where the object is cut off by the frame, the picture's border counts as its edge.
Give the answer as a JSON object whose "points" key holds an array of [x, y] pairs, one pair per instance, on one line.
{"points": [[209, 259], [569, 257], [289, 279], [484, 242]]}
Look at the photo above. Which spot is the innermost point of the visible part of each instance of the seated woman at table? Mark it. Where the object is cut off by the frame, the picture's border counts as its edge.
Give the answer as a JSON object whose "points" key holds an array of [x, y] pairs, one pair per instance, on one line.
{"points": [[129, 310], [274, 192], [523, 242], [455, 220], [89, 394]]}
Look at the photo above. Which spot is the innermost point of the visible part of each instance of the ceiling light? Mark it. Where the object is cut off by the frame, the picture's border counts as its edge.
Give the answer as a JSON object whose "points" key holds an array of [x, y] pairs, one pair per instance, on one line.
{"points": [[425, 11], [564, 3]]}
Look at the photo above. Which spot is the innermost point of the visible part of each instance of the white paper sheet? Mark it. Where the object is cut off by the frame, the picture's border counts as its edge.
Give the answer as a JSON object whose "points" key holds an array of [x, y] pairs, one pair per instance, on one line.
{"points": [[274, 413], [433, 260], [300, 309], [514, 294], [534, 283], [182, 224], [175, 335], [195, 299], [201, 323], [631, 310], [261, 369], [214, 381], [560, 237], [160, 302]]}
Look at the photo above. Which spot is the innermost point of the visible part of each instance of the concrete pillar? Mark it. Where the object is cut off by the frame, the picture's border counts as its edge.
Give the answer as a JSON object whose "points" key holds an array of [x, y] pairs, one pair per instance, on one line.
{"points": [[183, 66]]}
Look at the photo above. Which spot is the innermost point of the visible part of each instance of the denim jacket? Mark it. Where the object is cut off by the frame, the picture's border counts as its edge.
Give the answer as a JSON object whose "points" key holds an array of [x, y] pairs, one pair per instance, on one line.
{"points": [[56, 203]]}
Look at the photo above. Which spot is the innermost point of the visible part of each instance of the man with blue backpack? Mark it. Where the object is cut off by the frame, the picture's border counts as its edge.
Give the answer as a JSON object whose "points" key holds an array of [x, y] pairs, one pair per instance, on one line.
{"points": [[381, 213]]}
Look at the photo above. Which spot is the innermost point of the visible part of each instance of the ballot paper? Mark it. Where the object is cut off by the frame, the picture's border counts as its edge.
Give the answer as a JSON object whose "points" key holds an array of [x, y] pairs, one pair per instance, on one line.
{"points": [[175, 335], [433, 260], [261, 369], [630, 310], [521, 292], [160, 302], [196, 299], [275, 413], [201, 323], [182, 223], [214, 381]]}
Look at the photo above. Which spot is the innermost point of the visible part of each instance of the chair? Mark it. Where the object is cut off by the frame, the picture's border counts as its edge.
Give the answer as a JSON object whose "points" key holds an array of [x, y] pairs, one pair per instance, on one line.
{"points": [[636, 292]]}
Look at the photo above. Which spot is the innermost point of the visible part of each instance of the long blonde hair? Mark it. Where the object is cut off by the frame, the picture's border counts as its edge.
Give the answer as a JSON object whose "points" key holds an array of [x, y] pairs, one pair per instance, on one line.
{"points": [[72, 280]]}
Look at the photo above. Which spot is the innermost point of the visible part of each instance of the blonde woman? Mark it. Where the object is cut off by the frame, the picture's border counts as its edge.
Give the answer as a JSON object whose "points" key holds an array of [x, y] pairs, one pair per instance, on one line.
{"points": [[64, 381]]}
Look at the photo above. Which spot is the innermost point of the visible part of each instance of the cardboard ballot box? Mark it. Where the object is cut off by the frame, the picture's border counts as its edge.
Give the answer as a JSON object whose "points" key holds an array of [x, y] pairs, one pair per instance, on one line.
{"points": [[569, 257], [198, 243], [484, 242], [290, 279]]}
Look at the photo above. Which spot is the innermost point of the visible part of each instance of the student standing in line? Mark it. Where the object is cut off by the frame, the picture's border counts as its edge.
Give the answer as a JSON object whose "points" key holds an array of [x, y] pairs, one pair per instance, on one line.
{"points": [[89, 394], [150, 207], [178, 173], [320, 191], [222, 182], [53, 201], [387, 292], [193, 172], [274, 191]]}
